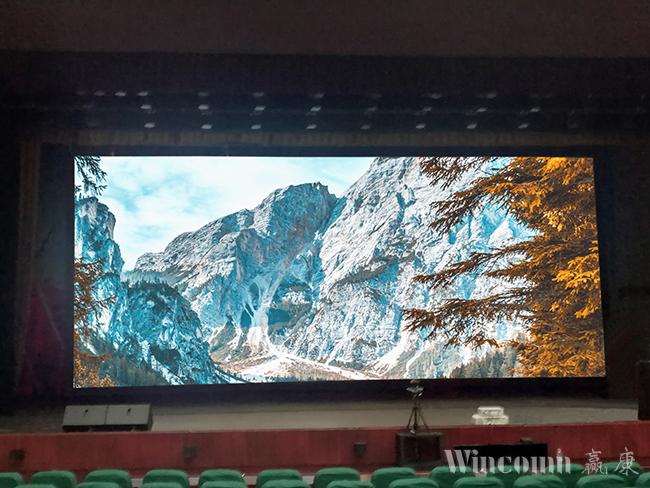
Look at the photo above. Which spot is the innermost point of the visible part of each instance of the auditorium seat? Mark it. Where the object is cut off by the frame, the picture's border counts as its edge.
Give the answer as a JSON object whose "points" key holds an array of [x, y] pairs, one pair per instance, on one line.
{"points": [[643, 480], [98, 484], [570, 473], [324, 477], [167, 476], [508, 474], [220, 475], [414, 483], [383, 477], [350, 484], [276, 474], [629, 475], [224, 484], [11, 480], [446, 477], [286, 484], [476, 482], [119, 476], [60, 479], [34, 485], [161, 484], [601, 481], [539, 481]]}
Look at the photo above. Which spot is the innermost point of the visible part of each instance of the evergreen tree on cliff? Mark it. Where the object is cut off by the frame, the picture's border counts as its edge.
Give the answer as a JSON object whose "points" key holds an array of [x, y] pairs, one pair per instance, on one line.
{"points": [[88, 309], [554, 276]]}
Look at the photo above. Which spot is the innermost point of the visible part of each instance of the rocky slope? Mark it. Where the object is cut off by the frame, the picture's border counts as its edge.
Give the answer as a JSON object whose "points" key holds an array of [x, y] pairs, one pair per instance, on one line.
{"points": [[151, 324], [308, 286]]}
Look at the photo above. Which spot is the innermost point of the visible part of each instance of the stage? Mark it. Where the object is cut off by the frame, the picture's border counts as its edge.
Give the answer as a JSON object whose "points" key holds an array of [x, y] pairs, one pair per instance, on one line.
{"points": [[345, 415], [308, 437]]}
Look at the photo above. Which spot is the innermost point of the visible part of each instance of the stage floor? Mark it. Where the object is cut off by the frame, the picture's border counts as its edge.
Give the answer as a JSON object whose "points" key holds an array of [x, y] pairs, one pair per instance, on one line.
{"points": [[263, 416]]}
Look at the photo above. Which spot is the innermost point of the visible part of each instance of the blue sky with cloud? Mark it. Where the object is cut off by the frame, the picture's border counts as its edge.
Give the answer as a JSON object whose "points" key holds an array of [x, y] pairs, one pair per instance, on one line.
{"points": [[156, 198]]}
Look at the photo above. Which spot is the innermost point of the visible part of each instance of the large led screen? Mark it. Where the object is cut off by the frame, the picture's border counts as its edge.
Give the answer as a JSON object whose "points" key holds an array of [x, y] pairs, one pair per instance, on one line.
{"points": [[194, 270]]}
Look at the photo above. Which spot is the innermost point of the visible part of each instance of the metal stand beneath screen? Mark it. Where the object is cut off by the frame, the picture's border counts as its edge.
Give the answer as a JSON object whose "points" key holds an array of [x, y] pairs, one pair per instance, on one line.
{"points": [[416, 419]]}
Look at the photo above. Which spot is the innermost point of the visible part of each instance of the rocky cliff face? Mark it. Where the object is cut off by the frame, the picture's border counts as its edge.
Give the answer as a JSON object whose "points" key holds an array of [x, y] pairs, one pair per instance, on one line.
{"points": [[151, 324], [307, 286]]}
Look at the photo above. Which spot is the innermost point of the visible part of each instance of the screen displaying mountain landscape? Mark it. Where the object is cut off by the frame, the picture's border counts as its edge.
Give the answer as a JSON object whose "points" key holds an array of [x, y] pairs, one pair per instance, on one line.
{"points": [[246, 270]]}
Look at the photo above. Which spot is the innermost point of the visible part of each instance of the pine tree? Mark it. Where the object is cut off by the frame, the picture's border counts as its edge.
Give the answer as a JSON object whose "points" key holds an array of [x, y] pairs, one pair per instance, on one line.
{"points": [[87, 311], [554, 276], [87, 307]]}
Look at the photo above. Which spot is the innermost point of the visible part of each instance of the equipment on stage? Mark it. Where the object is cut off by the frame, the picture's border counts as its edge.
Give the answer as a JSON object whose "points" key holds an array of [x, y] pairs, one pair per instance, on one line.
{"points": [[89, 418], [417, 448], [490, 416]]}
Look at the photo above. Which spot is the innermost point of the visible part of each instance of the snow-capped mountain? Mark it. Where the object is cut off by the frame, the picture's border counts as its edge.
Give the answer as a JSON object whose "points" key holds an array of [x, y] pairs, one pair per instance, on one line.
{"points": [[149, 324], [308, 286]]}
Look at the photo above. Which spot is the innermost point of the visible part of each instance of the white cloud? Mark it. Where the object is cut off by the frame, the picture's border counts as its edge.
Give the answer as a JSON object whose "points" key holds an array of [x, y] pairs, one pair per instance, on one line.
{"points": [[156, 198]]}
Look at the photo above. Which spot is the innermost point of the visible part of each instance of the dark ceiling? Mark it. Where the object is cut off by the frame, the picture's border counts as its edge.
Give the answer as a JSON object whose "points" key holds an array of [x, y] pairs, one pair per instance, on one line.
{"points": [[199, 92]]}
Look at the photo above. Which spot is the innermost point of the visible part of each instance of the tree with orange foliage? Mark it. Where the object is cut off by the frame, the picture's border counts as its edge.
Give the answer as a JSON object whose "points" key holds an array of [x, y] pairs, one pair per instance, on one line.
{"points": [[554, 276], [88, 309]]}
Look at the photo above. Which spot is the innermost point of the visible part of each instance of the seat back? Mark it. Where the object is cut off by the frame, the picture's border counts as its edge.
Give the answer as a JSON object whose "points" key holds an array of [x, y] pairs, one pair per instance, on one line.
{"points": [[11, 480], [60, 479], [350, 484], [119, 476], [539, 481], [220, 475], [98, 484], [286, 484], [224, 484], [643, 480], [324, 477], [383, 477], [601, 481], [508, 473], [476, 482], [414, 483], [629, 471], [276, 474], [446, 476], [167, 476], [569, 473]]}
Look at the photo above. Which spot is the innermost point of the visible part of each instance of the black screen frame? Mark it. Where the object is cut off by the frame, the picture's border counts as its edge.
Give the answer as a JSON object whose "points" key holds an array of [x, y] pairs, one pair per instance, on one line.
{"points": [[360, 390]]}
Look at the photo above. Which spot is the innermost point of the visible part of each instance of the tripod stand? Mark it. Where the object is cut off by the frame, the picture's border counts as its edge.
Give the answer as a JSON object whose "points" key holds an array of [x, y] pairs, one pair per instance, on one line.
{"points": [[416, 419]]}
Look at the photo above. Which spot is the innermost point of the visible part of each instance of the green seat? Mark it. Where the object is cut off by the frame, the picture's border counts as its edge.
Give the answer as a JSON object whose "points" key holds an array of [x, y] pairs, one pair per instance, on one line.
{"points": [[383, 477], [570, 473], [276, 474], [35, 485], [167, 476], [539, 481], [119, 476], [224, 484], [350, 484], [286, 484], [161, 484], [643, 480], [508, 473], [324, 477], [98, 484], [601, 481], [220, 475], [475, 482], [60, 479], [414, 483], [629, 472], [11, 480], [446, 476]]}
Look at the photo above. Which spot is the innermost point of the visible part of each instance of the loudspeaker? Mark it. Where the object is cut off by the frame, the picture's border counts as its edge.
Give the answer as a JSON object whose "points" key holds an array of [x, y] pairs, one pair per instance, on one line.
{"points": [[420, 450], [84, 418], [129, 417], [643, 389]]}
